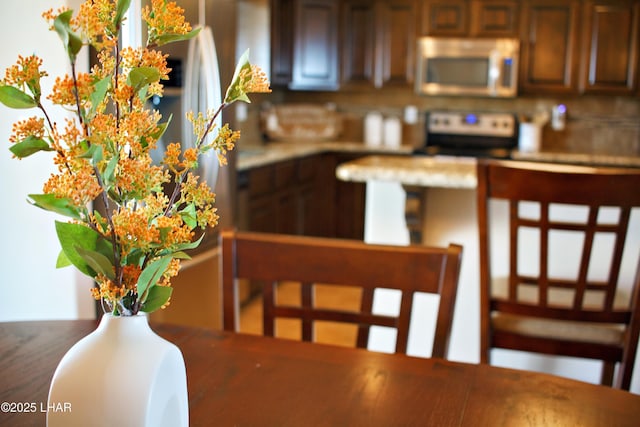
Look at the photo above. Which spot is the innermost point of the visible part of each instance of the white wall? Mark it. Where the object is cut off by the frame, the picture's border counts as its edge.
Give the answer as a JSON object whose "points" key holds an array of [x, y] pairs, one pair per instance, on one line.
{"points": [[30, 285], [451, 218]]}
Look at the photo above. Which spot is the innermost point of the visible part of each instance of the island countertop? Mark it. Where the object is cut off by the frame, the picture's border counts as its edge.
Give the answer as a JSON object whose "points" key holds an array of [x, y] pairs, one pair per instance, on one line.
{"points": [[437, 171], [453, 171]]}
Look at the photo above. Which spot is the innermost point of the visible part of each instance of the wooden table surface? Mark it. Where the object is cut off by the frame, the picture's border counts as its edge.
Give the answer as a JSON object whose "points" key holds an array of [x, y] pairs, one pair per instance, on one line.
{"points": [[244, 380]]}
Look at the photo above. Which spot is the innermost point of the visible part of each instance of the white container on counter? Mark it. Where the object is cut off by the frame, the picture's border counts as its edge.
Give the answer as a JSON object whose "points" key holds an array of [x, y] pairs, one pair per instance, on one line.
{"points": [[373, 129], [411, 114], [392, 132], [529, 140]]}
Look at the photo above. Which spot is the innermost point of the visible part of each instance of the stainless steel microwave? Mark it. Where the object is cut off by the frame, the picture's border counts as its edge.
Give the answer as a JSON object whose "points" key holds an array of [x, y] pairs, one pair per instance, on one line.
{"points": [[467, 66]]}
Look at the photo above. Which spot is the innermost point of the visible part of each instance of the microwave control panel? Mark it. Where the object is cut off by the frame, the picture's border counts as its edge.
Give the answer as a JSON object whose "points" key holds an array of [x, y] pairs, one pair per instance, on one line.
{"points": [[469, 123]]}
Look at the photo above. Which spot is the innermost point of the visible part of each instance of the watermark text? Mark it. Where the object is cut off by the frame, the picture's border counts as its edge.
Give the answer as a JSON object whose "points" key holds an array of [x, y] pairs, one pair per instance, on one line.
{"points": [[26, 407]]}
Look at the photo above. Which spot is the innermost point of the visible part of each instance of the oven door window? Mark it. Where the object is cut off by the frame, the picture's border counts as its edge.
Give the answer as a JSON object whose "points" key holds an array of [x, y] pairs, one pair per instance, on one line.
{"points": [[457, 72]]}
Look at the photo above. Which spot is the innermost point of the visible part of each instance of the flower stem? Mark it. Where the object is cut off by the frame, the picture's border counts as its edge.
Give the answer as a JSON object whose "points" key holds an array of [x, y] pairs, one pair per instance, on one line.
{"points": [[183, 175]]}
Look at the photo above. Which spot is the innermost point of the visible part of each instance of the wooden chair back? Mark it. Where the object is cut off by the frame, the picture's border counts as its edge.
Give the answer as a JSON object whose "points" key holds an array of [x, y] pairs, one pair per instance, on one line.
{"points": [[600, 314], [271, 258]]}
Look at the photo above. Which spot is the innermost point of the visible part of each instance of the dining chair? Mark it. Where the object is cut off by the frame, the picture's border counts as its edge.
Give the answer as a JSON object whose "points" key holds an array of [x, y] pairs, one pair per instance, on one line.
{"points": [[563, 278], [314, 261]]}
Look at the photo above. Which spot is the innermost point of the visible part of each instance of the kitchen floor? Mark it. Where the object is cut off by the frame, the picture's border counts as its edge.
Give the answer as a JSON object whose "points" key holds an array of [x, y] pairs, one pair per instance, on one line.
{"points": [[325, 296]]}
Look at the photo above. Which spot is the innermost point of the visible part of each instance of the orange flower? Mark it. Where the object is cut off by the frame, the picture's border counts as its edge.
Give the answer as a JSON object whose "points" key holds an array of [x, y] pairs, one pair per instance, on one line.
{"points": [[174, 230], [108, 290], [172, 157], [95, 20], [33, 126], [258, 81], [80, 186], [26, 74], [164, 18], [134, 231], [224, 142], [137, 177], [65, 89]]}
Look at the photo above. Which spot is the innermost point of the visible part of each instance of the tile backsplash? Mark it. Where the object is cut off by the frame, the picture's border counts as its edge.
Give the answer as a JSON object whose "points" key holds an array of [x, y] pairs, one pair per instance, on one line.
{"points": [[594, 124]]}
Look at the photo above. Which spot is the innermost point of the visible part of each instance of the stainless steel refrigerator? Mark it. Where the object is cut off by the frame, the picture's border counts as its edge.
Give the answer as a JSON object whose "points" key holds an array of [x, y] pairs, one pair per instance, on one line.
{"points": [[202, 69]]}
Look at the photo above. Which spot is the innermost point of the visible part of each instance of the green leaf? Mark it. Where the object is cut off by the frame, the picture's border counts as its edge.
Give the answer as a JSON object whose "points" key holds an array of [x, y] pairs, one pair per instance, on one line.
{"points": [[29, 146], [15, 98], [121, 9], [100, 220], [157, 297], [59, 205], [170, 38], [109, 172], [183, 247], [94, 153], [62, 260], [140, 77], [181, 255], [100, 89], [188, 215], [152, 274], [162, 127], [134, 257], [98, 262], [235, 90], [72, 43], [73, 236]]}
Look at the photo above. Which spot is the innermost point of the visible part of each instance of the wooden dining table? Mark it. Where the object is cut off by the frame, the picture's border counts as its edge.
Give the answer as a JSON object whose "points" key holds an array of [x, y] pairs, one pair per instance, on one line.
{"points": [[246, 380]]}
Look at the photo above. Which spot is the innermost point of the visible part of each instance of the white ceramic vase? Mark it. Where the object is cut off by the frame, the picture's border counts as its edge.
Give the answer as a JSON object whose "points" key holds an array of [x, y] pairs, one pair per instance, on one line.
{"points": [[122, 374]]}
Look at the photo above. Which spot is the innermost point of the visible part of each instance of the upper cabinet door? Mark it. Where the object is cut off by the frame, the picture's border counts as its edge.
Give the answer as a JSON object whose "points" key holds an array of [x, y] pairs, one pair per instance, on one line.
{"points": [[610, 46], [474, 18], [548, 53], [445, 18], [494, 18], [378, 42], [398, 43], [281, 42], [315, 45], [358, 43], [304, 44]]}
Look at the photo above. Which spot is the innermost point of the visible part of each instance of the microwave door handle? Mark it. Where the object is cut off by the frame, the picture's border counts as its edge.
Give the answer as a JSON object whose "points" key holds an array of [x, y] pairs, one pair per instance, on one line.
{"points": [[494, 72]]}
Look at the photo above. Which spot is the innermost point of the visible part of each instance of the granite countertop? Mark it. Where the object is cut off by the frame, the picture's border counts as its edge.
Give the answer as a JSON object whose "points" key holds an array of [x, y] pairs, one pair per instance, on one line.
{"points": [[253, 155], [451, 171], [437, 171], [578, 158]]}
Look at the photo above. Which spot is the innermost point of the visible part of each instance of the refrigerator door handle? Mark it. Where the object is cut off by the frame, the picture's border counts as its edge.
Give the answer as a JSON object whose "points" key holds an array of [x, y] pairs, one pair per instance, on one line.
{"points": [[202, 92]]}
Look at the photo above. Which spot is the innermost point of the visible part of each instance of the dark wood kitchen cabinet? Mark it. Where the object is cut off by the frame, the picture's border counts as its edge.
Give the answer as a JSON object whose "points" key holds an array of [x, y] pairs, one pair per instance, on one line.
{"points": [[304, 44], [281, 42], [378, 43], [289, 197], [302, 196], [495, 18], [610, 47], [348, 200], [470, 18], [549, 54], [448, 18]]}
